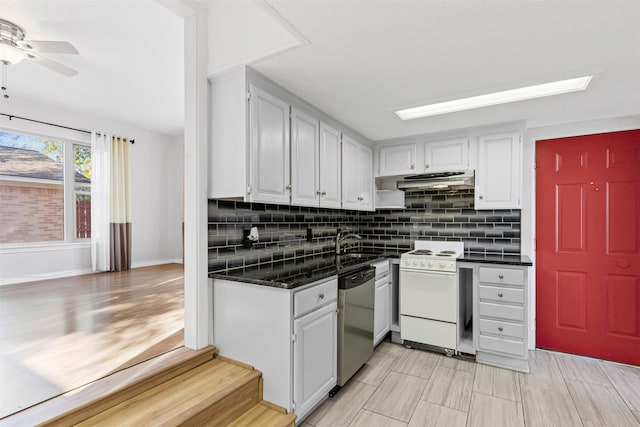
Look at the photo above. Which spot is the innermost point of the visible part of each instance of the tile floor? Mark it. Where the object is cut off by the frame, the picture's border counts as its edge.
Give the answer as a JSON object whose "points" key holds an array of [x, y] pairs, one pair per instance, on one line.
{"points": [[405, 387]]}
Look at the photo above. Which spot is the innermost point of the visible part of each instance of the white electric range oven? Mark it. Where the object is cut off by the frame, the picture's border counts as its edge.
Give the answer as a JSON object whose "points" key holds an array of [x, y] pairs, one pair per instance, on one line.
{"points": [[429, 294]]}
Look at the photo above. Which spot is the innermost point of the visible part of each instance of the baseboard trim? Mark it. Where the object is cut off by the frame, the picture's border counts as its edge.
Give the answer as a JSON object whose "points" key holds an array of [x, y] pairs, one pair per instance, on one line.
{"points": [[156, 262], [44, 276], [68, 273]]}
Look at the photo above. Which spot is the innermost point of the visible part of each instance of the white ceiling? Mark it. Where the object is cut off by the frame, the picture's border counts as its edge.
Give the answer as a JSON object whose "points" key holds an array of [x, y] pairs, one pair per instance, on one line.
{"points": [[362, 59]]}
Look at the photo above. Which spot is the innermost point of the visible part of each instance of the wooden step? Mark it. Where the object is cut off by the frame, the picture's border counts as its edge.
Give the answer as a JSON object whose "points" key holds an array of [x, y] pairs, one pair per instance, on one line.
{"points": [[214, 393], [86, 401], [264, 415]]}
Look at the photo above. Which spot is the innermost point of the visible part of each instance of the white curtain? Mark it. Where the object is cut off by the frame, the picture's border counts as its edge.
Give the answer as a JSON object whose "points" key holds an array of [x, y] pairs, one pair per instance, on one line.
{"points": [[120, 205], [100, 200]]}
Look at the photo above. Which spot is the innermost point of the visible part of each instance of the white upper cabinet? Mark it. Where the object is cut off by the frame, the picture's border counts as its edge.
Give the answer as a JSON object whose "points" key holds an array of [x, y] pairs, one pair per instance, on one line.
{"points": [[366, 178], [357, 175], [423, 157], [448, 155], [305, 159], [330, 167], [270, 148], [397, 160], [268, 145], [499, 171]]}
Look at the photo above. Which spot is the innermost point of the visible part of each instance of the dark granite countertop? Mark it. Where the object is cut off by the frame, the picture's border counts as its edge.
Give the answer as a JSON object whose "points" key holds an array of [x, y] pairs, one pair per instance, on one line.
{"points": [[300, 272], [516, 259]]}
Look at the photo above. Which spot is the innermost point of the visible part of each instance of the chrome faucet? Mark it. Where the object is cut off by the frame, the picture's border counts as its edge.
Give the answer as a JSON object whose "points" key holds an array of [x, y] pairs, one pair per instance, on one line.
{"points": [[342, 236]]}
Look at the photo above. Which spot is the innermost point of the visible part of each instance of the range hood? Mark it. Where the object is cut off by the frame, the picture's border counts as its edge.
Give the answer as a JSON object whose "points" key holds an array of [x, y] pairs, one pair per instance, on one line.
{"points": [[454, 180]]}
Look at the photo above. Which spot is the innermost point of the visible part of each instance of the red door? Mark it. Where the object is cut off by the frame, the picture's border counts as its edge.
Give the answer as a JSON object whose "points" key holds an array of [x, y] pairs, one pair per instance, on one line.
{"points": [[588, 245]]}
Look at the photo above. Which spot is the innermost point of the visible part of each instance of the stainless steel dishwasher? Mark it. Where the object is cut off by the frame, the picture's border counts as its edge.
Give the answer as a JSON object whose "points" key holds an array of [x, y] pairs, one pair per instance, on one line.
{"points": [[356, 293]]}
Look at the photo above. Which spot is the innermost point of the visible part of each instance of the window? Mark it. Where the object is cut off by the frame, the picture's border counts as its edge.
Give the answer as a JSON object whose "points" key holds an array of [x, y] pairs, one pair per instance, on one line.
{"points": [[45, 189]]}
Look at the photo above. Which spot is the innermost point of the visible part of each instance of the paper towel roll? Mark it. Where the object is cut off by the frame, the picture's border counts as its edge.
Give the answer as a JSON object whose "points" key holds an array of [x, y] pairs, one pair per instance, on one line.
{"points": [[253, 234]]}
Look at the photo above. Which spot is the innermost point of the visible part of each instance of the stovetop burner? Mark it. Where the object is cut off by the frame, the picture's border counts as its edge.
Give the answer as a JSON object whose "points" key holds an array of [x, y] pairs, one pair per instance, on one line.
{"points": [[422, 252], [448, 252]]}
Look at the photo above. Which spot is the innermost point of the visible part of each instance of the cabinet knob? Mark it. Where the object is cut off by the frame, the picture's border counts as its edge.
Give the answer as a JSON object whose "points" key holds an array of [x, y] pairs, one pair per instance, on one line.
{"points": [[413, 166], [321, 296], [500, 294], [324, 193], [481, 197], [500, 276], [500, 328], [289, 187], [360, 198], [318, 193], [426, 166]]}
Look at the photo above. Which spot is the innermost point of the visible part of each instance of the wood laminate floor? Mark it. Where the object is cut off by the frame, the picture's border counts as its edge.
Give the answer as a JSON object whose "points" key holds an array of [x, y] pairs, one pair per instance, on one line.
{"points": [[57, 335], [413, 388]]}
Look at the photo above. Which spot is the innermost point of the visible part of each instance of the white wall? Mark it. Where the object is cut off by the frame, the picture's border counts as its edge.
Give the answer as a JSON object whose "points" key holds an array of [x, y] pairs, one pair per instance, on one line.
{"points": [[528, 213], [156, 195]]}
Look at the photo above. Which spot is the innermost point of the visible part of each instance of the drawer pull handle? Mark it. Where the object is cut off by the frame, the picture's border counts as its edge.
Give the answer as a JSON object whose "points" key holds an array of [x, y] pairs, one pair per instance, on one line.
{"points": [[321, 296], [500, 276], [500, 328], [500, 294]]}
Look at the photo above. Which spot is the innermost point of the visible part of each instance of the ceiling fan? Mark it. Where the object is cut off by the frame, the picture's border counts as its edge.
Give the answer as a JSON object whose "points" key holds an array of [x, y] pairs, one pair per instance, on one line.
{"points": [[14, 48]]}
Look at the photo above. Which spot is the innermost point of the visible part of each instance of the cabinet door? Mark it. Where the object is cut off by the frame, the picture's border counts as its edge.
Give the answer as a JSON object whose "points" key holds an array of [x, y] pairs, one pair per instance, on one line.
{"points": [[350, 174], [270, 148], [330, 167], [382, 309], [305, 162], [314, 357], [452, 154], [365, 159], [499, 172], [397, 160]]}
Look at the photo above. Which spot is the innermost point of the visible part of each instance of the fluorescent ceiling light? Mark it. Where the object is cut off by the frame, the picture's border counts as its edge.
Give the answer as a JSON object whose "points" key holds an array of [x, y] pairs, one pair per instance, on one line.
{"points": [[520, 94]]}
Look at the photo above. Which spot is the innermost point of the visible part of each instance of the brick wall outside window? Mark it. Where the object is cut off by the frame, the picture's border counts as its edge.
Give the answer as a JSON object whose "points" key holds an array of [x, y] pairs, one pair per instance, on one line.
{"points": [[31, 213]]}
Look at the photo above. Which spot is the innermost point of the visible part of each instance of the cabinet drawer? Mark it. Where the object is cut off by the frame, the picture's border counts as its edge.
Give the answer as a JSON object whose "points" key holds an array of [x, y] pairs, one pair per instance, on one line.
{"points": [[381, 282], [505, 329], [501, 345], [501, 294], [382, 268], [502, 275], [501, 311], [314, 297]]}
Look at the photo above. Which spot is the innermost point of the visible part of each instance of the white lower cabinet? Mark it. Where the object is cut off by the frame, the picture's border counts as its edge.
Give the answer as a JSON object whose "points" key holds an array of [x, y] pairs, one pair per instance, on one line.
{"points": [[500, 315], [290, 335], [314, 357], [382, 302]]}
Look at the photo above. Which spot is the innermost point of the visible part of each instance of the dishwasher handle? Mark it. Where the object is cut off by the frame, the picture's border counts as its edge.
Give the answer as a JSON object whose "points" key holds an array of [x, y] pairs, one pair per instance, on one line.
{"points": [[357, 279]]}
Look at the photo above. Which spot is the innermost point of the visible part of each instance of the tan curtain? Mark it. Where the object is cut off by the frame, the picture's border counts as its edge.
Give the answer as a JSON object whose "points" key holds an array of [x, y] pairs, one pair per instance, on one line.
{"points": [[120, 202]]}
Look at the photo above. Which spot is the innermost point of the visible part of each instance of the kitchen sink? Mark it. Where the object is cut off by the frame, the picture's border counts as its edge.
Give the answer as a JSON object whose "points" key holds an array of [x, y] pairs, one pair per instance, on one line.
{"points": [[360, 255]]}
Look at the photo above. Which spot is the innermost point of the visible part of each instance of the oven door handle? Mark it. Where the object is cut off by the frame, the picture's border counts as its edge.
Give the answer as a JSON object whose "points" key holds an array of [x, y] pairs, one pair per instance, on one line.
{"points": [[440, 273]]}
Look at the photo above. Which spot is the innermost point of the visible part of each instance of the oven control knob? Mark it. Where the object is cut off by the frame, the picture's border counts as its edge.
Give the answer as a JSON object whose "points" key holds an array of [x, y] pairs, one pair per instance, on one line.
{"points": [[415, 262], [430, 264], [443, 265], [421, 263]]}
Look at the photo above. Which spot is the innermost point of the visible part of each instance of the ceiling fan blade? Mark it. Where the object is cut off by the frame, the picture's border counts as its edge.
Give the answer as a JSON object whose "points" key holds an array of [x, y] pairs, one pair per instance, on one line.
{"points": [[47, 46], [53, 65]]}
